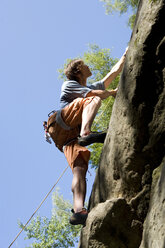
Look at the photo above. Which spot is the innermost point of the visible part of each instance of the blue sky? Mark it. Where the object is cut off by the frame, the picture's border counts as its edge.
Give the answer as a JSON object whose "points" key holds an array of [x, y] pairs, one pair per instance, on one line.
{"points": [[37, 37]]}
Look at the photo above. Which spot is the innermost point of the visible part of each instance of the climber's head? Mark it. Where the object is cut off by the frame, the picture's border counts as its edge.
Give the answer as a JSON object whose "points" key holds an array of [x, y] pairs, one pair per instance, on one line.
{"points": [[76, 69]]}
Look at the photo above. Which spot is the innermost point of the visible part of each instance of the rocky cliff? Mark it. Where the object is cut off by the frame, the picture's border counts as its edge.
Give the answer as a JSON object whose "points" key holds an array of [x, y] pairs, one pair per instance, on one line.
{"points": [[127, 204]]}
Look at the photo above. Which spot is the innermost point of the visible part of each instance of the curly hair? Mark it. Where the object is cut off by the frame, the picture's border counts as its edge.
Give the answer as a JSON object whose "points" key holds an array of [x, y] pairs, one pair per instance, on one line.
{"points": [[73, 69]]}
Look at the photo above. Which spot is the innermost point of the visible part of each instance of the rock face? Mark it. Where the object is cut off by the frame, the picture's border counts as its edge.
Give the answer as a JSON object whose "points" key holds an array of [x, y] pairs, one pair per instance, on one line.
{"points": [[127, 204], [154, 225]]}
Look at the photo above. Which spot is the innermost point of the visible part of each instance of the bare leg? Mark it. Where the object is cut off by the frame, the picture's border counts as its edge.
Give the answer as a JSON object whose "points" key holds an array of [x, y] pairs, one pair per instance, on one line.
{"points": [[89, 114], [79, 186]]}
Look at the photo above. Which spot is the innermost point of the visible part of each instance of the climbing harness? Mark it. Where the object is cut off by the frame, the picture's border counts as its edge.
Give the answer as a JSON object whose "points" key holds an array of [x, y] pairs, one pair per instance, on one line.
{"points": [[59, 119], [60, 122]]}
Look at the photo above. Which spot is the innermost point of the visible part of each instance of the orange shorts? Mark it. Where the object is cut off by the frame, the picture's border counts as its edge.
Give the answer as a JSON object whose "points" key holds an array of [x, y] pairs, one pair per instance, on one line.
{"points": [[73, 152], [72, 116]]}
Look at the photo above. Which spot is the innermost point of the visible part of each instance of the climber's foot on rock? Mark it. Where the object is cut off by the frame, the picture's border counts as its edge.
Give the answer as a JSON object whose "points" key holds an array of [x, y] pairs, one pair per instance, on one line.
{"points": [[79, 218], [92, 138]]}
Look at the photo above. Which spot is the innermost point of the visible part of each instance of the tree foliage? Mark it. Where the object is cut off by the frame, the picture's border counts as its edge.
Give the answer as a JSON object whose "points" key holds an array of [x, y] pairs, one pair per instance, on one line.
{"points": [[122, 6], [100, 62], [56, 231]]}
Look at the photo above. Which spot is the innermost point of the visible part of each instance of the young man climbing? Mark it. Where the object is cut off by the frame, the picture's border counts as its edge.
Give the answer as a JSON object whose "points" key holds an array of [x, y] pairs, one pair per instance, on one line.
{"points": [[70, 128]]}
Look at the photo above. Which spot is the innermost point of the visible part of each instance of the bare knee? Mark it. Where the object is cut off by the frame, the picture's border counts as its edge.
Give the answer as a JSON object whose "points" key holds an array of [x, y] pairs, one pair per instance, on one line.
{"points": [[79, 174], [79, 165]]}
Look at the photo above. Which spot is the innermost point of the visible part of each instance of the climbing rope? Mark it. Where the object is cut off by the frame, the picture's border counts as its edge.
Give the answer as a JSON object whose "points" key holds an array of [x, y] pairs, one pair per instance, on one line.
{"points": [[51, 188], [38, 207]]}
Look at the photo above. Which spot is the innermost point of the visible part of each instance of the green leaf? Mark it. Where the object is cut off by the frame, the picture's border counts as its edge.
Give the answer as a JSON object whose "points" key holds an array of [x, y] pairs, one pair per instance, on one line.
{"points": [[122, 7]]}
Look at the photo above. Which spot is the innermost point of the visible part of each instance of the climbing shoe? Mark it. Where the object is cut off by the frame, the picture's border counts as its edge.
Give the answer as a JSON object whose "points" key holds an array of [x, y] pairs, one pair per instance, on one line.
{"points": [[92, 138], [78, 218]]}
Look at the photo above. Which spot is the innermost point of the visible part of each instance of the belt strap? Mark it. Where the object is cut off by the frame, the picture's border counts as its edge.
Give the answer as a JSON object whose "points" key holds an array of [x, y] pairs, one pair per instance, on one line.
{"points": [[60, 121]]}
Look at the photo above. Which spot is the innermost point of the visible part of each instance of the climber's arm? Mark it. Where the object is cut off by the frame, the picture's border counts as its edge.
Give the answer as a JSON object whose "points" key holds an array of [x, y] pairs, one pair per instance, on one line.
{"points": [[116, 69], [103, 94]]}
